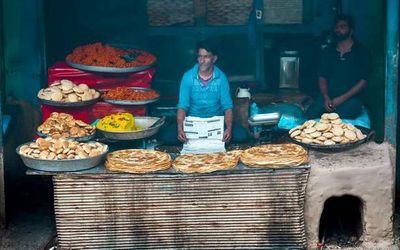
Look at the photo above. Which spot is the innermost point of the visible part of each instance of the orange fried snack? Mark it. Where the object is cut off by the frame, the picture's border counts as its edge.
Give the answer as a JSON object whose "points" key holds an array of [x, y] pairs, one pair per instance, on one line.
{"points": [[98, 54], [125, 93]]}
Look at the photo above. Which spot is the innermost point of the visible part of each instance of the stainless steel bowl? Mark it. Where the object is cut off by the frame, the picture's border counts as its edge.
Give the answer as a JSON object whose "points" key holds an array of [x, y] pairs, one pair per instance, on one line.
{"points": [[69, 104], [79, 138], [142, 121], [265, 119], [61, 165], [133, 102]]}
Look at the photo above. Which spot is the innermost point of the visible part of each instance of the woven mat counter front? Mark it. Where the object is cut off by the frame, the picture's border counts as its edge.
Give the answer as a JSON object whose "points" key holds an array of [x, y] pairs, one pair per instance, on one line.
{"points": [[242, 209]]}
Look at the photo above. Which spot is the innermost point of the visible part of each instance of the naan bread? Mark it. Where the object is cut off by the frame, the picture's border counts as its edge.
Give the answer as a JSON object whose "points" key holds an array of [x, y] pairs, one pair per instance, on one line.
{"points": [[138, 161], [275, 156], [333, 131], [206, 163]]}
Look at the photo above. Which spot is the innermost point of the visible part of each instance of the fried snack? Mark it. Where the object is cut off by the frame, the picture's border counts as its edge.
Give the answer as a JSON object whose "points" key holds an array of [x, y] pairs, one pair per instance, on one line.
{"points": [[138, 161], [66, 91], [119, 122], [61, 125], [275, 156], [206, 163], [125, 93], [98, 54], [331, 130], [61, 149]]}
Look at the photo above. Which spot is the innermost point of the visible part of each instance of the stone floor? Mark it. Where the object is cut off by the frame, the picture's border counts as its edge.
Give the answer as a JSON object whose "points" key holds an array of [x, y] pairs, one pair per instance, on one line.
{"points": [[30, 216]]}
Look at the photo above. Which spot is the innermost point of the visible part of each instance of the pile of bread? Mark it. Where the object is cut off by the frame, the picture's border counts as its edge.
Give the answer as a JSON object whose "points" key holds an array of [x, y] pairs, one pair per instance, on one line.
{"points": [[263, 156], [66, 91], [62, 125], [330, 130], [61, 149]]}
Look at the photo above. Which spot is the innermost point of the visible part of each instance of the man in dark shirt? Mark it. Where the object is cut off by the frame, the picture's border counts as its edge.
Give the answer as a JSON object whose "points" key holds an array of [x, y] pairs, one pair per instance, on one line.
{"points": [[343, 74]]}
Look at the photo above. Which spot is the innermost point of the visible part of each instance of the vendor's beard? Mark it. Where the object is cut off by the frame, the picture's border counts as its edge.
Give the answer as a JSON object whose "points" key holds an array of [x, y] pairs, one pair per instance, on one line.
{"points": [[341, 37]]}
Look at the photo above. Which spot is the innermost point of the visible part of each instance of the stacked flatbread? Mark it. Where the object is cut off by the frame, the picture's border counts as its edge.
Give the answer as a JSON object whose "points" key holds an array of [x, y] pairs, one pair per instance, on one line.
{"points": [[206, 163], [330, 130], [275, 156], [138, 161]]}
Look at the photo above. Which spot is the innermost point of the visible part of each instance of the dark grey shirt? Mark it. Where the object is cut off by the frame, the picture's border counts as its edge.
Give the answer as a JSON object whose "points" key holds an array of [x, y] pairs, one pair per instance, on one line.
{"points": [[343, 72]]}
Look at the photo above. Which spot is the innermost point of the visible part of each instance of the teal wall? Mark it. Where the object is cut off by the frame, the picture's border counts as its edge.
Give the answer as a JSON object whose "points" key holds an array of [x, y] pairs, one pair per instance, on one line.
{"points": [[370, 29], [24, 51]]}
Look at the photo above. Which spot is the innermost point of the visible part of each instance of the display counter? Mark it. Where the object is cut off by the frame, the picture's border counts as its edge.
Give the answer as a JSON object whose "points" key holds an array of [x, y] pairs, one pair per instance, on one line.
{"points": [[242, 208]]}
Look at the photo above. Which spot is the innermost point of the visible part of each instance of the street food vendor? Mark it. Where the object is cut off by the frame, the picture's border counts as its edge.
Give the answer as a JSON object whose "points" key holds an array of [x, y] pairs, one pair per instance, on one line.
{"points": [[343, 73], [204, 92]]}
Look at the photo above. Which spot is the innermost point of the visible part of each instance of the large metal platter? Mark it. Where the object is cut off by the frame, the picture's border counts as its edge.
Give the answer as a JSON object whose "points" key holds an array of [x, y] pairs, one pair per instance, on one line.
{"points": [[338, 147], [79, 139], [61, 165], [69, 104], [144, 121], [109, 69], [132, 102]]}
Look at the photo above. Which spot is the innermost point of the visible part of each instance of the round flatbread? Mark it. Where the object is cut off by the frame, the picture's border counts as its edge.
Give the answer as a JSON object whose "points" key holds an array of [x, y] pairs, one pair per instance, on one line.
{"points": [[275, 156], [321, 126], [206, 163], [138, 161], [332, 116]]}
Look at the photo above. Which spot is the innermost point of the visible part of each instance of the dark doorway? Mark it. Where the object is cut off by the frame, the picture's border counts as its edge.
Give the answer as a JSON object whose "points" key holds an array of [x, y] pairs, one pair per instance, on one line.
{"points": [[341, 221]]}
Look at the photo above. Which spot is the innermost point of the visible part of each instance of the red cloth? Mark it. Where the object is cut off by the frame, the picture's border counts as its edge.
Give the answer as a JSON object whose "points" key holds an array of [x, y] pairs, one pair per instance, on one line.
{"points": [[99, 81], [91, 113]]}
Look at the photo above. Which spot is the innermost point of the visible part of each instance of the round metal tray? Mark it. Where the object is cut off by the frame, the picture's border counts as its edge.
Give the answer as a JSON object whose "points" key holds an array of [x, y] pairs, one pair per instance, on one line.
{"points": [[337, 147], [132, 102], [61, 165], [69, 104], [103, 69], [80, 139], [143, 121]]}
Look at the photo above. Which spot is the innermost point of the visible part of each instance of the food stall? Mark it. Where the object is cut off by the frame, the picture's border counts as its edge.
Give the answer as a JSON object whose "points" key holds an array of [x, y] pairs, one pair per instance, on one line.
{"points": [[143, 198], [112, 190]]}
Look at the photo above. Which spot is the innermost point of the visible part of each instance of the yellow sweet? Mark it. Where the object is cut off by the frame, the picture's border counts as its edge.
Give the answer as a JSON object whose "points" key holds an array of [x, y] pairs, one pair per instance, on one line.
{"points": [[119, 122]]}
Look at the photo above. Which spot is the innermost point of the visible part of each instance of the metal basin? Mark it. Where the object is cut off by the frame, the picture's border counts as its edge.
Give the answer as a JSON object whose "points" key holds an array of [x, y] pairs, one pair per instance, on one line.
{"points": [[143, 121], [61, 165]]}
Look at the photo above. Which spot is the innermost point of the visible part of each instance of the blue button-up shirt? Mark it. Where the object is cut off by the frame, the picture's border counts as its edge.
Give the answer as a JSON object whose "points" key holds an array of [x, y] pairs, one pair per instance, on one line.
{"points": [[202, 100]]}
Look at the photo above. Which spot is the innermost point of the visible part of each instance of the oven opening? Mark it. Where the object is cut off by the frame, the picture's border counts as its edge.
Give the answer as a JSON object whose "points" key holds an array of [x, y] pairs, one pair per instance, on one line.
{"points": [[341, 221]]}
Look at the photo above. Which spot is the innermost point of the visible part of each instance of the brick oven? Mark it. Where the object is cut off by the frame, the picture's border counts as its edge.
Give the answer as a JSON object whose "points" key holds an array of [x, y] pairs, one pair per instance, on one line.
{"points": [[350, 196]]}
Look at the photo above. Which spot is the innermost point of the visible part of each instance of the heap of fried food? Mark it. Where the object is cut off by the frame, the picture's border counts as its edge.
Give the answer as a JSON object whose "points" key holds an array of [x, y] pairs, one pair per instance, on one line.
{"points": [[330, 130], [61, 125], [66, 91], [104, 55], [61, 149], [275, 156], [138, 161], [206, 163], [131, 94], [119, 122]]}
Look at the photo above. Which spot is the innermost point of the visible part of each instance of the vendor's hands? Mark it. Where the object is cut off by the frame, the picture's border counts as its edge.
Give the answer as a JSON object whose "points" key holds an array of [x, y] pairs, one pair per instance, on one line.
{"points": [[227, 135], [328, 104], [336, 102], [182, 135]]}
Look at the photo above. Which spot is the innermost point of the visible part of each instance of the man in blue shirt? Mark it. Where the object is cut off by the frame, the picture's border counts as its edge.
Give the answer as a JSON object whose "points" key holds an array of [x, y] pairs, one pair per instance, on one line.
{"points": [[204, 92]]}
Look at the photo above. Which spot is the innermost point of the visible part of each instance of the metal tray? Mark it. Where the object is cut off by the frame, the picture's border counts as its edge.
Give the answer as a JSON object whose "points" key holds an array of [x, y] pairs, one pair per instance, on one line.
{"points": [[143, 121], [265, 119], [80, 139], [61, 165], [132, 102], [338, 147], [69, 104], [103, 69]]}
